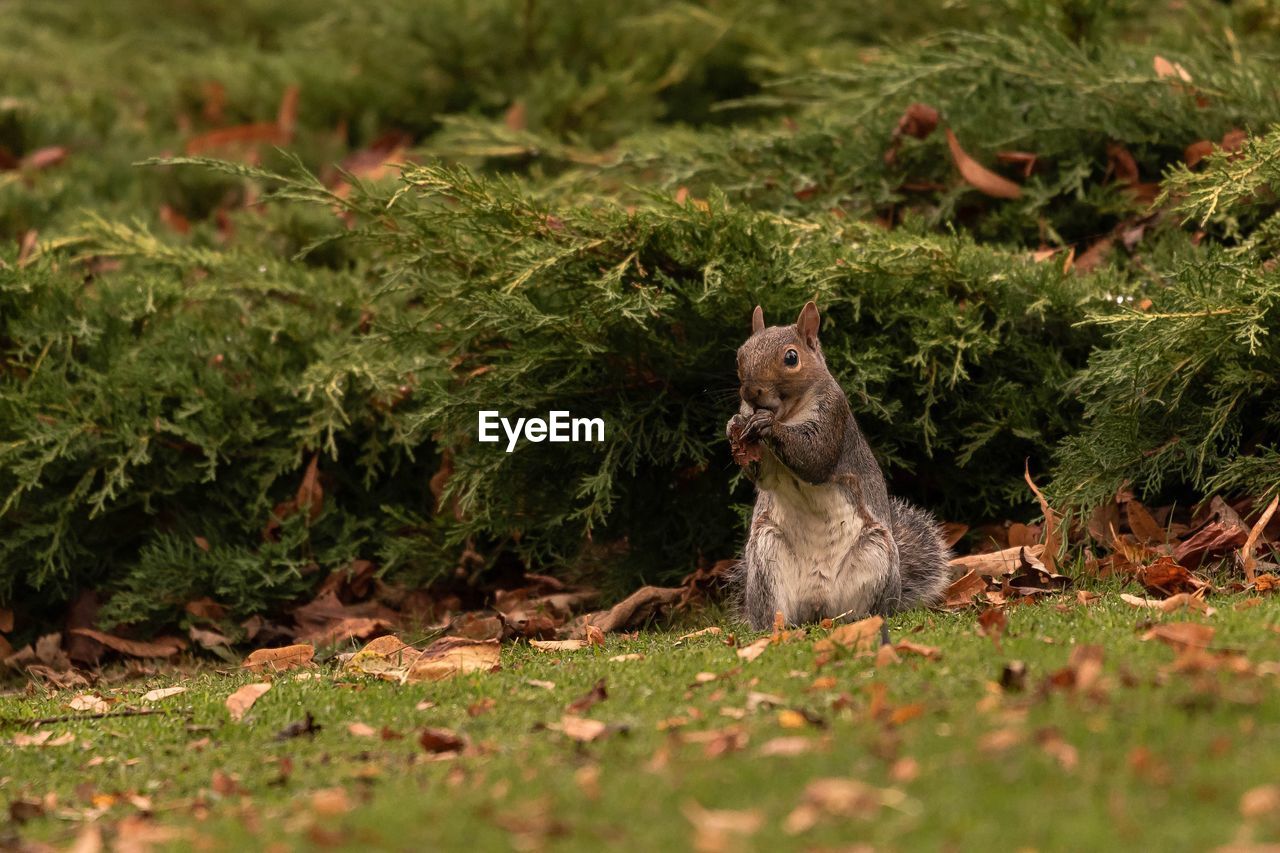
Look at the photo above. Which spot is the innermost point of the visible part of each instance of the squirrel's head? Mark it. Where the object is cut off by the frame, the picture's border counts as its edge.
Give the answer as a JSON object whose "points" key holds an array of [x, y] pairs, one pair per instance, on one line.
{"points": [[778, 364]]}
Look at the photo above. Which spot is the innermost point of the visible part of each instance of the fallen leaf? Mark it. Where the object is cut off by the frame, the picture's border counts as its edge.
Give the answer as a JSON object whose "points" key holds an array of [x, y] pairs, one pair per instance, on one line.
{"points": [[590, 699], [835, 797], [306, 726], [1172, 604], [860, 636], [544, 685], [962, 590], [721, 829], [786, 746], [1143, 525], [559, 645], [627, 657], [1182, 635], [991, 624], [1166, 576], [996, 563], [978, 176], [1052, 525], [37, 739], [1165, 68], [439, 741], [1262, 801], [713, 631], [161, 647], [907, 647], [280, 659], [1247, 559], [330, 802], [385, 657], [581, 729], [242, 700], [450, 656], [634, 609], [89, 702], [1197, 151], [43, 158], [362, 730], [754, 650]]}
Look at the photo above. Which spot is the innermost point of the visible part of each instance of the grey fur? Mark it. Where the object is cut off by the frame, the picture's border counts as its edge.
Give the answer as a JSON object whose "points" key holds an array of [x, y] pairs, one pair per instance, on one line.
{"points": [[826, 539]]}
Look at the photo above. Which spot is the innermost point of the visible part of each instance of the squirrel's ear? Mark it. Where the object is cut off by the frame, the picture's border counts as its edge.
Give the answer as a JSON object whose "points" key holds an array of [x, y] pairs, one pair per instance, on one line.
{"points": [[757, 320], [807, 324]]}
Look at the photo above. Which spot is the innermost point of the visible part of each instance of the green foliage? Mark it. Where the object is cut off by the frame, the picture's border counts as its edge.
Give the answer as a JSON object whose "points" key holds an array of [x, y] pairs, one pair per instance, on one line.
{"points": [[596, 197], [1184, 395]]}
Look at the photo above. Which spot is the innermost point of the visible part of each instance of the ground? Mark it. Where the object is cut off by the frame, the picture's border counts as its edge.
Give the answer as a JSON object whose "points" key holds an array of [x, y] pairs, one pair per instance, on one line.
{"points": [[932, 751]]}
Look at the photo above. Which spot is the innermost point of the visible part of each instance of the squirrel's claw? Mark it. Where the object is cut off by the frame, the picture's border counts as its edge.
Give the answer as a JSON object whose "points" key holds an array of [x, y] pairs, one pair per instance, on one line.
{"points": [[760, 424]]}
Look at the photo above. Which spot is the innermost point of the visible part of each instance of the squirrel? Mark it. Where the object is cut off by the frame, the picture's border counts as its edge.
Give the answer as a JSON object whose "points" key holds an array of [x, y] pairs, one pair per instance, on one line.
{"points": [[826, 539]]}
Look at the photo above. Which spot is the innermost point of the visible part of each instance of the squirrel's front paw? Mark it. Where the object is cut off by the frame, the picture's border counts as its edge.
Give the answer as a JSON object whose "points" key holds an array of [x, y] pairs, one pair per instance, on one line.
{"points": [[760, 424]]}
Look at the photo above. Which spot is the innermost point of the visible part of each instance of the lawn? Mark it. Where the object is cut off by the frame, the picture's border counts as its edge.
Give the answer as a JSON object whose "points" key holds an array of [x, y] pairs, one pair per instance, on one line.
{"points": [[1161, 748]]}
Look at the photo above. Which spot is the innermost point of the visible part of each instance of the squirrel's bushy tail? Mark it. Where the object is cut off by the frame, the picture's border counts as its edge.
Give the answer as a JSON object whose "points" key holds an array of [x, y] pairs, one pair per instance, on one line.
{"points": [[922, 556]]}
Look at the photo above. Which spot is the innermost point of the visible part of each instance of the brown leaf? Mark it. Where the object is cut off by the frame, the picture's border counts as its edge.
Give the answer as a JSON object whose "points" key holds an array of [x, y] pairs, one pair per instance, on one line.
{"points": [[1260, 802], [6, 620], [721, 829], [907, 647], [1247, 560], [439, 741], [43, 158], [860, 636], [1143, 525], [161, 647], [1172, 604], [162, 693], [327, 621], [581, 729], [1165, 68], [450, 656], [287, 114], [962, 590], [918, 121], [559, 645], [515, 117], [1025, 159], [786, 746], [953, 532], [281, 659], [634, 609], [991, 623], [358, 729], [843, 798], [242, 700], [590, 699], [1182, 635], [1052, 525], [1168, 577], [755, 649], [995, 563], [978, 176], [1197, 151], [89, 702]]}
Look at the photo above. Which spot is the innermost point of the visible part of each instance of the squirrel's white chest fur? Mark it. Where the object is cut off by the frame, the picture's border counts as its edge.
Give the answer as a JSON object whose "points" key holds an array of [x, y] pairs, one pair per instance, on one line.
{"points": [[809, 540]]}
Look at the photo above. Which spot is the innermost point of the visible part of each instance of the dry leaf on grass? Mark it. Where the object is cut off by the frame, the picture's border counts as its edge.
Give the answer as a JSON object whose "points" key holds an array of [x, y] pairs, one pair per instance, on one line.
{"points": [[634, 609], [786, 746], [1172, 604], [280, 659], [1182, 635], [559, 645], [754, 650], [626, 657], [963, 590], [842, 798], [439, 741], [721, 829], [590, 699], [89, 702], [362, 730], [1247, 560], [907, 647], [1260, 802], [995, 563], [1052, 524], [386, 657], [860, 636], [978, 176], [242, 700], [581, 729], [450, 656], [161, 647], [713, 631]]}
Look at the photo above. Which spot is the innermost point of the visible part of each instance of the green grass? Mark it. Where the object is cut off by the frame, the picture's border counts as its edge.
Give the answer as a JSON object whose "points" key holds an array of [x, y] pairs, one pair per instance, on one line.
{"points": [[1208, 738]]}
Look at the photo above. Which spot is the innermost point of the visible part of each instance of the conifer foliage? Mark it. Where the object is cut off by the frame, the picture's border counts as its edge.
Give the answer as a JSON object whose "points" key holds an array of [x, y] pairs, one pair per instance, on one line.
{"points": [[1048, 234]]}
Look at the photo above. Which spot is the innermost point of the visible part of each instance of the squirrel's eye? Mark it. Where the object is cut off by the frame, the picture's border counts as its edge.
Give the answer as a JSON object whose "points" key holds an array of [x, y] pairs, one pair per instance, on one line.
{"points": [[791, 359]]}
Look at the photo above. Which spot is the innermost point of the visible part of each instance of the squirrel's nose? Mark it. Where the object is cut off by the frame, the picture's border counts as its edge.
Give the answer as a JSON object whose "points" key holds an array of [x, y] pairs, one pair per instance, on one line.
{"points": [[758, 397]]}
